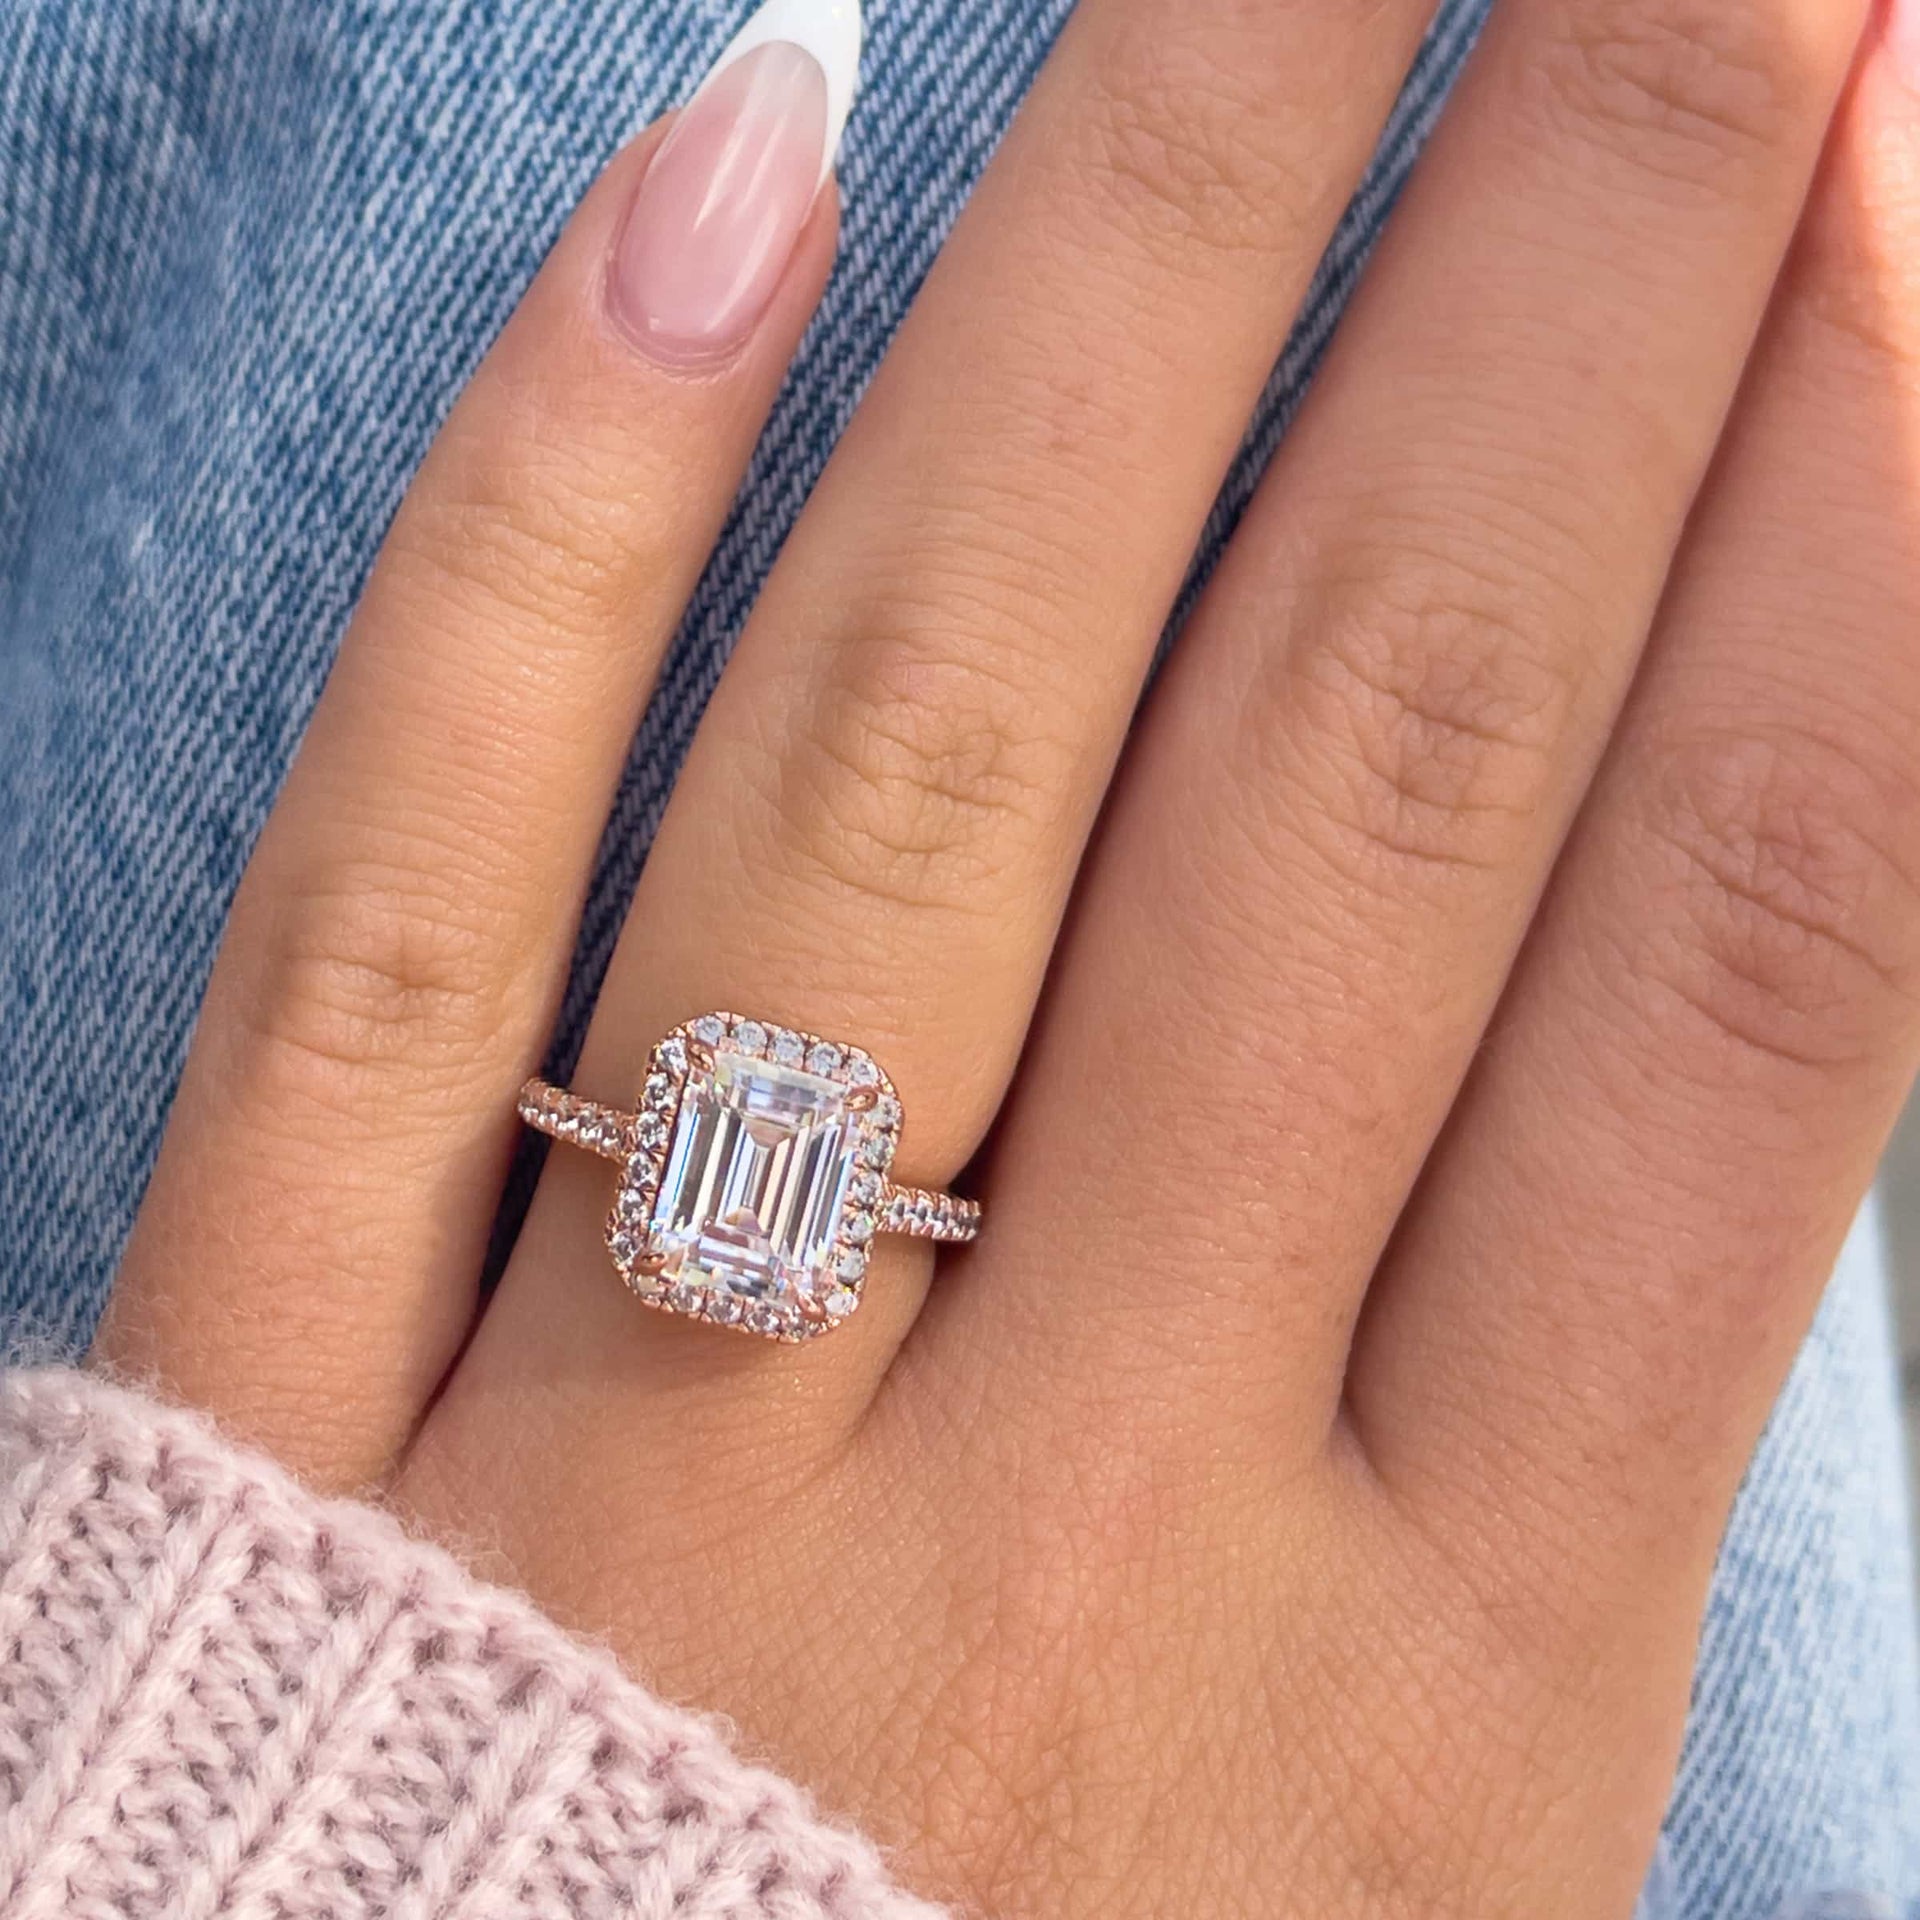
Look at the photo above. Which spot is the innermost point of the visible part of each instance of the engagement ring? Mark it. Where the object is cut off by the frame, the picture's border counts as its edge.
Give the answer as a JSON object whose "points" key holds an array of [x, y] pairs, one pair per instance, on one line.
{"points": [[754, 1176]]}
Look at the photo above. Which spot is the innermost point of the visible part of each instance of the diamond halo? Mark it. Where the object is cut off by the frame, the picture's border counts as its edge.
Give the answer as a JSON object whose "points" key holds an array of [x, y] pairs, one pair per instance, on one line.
{"points": [[754, 1175]]}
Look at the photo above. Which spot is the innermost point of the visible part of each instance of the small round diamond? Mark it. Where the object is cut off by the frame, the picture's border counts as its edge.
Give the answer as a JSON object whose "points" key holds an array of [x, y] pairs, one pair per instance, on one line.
{"points": [[886, 1111], [826, 1060], [659, 1093], [750, 1037], [709, 1029], [630, 1209], [852, 1265], [673, 1054], [724, 1308], [867, 1187], [877, 1152], [788, 1048], [859, 1229], [764, 1319], [688, 1299], [651, 1130], [624, 1248], [839, 1303], [862, 1072]]}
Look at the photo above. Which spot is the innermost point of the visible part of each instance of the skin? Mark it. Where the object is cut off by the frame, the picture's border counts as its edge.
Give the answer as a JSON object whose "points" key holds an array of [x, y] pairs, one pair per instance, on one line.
{"points": [[1464, 1039]]}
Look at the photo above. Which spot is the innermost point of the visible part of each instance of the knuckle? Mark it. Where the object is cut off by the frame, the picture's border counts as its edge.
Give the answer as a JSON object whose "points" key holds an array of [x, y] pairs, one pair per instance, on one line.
{"points": [[544, 538], [366, 975], [1430, 709], [1797, 931], [1181, 138], [924, 769], [1677, 87]]}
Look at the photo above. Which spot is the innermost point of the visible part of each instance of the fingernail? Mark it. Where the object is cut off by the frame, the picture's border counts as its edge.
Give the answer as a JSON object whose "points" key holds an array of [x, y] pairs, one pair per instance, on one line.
{"points": [[714, 222]]}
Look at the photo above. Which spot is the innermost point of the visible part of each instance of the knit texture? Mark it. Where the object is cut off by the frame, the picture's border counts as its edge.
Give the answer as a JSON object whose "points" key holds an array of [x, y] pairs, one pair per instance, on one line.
{"points": [[220, 1695]]}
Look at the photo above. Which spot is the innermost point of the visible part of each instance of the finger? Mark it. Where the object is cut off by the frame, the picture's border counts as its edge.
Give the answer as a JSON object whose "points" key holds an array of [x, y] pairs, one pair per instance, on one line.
{"points": [[306, 1258], [1334, 827], [1709, 1036], [889, 795]]}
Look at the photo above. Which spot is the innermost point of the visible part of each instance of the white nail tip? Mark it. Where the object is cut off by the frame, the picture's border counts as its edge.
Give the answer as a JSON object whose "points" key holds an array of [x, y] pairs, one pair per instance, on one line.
{"points": [[827, 29]]}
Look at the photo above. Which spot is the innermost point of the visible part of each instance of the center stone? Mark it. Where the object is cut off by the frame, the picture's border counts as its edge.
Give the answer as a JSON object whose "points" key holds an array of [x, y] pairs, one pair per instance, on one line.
{"points": [[749, 1204]]}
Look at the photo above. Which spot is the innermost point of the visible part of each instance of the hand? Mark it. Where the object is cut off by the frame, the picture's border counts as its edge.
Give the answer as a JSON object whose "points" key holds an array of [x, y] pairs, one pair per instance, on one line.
{"points": [[1463, 1044]]}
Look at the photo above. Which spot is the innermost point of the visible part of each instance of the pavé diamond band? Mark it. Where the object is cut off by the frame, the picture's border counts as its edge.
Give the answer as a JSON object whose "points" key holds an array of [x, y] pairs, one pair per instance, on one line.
{"points": [[754, 1175]]}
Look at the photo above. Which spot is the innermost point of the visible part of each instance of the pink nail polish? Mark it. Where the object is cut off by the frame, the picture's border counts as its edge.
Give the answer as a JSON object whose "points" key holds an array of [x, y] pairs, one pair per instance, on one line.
{"points": [[715, 220]]}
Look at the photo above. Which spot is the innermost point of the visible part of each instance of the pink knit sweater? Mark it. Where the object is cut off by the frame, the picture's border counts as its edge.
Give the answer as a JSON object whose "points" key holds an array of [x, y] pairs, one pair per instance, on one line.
{"points": [[220, 1696]]}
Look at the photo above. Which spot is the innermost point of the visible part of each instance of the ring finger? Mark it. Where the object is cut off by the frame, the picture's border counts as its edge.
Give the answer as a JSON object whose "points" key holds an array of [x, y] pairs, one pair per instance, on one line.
{"points": [[887, 802]]}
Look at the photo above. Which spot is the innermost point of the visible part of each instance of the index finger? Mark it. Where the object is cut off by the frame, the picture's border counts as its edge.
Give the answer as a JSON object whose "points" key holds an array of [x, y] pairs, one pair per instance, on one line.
{"points": [[307, 1257]]}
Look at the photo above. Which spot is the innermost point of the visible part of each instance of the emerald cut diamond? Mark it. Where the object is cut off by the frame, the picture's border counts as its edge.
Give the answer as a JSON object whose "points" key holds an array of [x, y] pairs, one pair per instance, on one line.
{"points": [[751, 1202], [756, 1171]]}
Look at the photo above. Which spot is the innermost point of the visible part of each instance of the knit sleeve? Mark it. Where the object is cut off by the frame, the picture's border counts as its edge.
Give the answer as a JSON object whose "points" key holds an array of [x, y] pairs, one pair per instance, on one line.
{"points": [[221, 1696]]}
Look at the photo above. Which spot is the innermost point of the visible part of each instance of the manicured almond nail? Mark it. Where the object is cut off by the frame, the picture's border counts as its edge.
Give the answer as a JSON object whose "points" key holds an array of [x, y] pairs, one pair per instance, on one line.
{"points": [[715, 220]]}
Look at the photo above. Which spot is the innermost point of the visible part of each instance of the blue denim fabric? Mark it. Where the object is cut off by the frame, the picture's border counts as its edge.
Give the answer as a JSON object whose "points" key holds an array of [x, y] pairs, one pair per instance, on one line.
{"points": [[248, 255]]}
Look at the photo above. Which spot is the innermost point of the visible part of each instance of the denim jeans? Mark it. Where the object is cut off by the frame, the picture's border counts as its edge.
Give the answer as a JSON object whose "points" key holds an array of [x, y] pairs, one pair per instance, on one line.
{"points": [[249, 252]]}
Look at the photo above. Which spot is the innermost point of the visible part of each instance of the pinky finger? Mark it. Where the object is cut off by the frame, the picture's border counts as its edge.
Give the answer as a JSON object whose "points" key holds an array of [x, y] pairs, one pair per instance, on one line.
{"points": [[1709, 1036]]}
